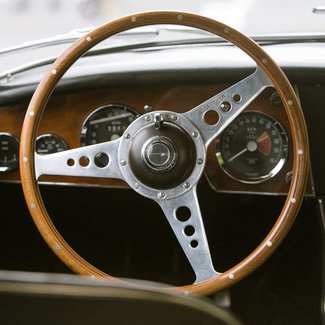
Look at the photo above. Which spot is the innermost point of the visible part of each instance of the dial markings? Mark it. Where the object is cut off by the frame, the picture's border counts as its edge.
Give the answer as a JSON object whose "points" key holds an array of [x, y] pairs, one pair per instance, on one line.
{"points": [[253, 148], [106, 123]]}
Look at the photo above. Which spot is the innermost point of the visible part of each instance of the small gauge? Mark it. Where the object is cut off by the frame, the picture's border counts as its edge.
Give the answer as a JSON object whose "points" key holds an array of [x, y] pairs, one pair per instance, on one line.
{"points": [[253, 148], [50, 143], [106, 123], [9, 152]]}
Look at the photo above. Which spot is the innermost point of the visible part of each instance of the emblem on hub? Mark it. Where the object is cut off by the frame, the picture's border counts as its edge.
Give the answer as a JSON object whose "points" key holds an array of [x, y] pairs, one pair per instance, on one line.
{"points": [[159, 154]]}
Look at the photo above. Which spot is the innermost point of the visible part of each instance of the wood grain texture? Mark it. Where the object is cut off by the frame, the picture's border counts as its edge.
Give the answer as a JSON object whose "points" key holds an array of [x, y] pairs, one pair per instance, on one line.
{"points": [[295, 117], [65, 114]]}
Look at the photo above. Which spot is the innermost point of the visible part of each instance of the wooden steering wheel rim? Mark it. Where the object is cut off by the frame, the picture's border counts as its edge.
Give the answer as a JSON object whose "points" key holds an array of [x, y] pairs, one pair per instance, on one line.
{"points": [[271, 69]]}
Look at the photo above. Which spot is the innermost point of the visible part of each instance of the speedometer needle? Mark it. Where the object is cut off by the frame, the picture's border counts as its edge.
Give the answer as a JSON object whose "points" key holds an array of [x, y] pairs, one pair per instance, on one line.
{"points": [[237, 154], [108, 119]]}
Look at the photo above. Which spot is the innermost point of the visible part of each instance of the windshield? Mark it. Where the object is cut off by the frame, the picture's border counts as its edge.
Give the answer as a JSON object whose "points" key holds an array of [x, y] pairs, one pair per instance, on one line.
{"points": [[27, 20]]}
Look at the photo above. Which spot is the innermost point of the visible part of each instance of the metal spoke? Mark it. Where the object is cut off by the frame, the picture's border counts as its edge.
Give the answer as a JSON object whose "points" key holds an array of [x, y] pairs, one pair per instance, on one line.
{"points": [[184, 216], [99, 160], [228, 105]]}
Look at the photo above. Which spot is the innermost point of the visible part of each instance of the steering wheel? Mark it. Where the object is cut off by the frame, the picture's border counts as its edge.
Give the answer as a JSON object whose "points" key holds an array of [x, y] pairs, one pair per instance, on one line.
{"points": [[170, 177]]}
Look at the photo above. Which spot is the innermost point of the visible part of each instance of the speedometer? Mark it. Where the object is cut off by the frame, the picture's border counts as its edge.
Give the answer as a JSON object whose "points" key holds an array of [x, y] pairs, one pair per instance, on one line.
{"points": [[253, 148], [106, 123]]}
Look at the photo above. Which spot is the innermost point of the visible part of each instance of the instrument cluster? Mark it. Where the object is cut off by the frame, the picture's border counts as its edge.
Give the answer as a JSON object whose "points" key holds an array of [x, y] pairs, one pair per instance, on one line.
{"points": [[253, 154]]}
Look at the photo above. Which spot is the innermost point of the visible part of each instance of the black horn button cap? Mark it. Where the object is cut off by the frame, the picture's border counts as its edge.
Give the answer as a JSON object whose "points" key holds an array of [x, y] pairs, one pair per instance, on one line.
{"points": [[162, 158]]}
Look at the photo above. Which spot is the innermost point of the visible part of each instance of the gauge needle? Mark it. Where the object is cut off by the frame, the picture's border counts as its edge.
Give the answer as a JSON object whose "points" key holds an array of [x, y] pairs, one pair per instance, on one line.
{"points": [[262, 137], [237, 154], [264, 143], [108, 119]]}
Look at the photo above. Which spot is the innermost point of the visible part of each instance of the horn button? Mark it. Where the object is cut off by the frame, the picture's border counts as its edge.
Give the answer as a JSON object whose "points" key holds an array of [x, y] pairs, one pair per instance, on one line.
{"points": [[162, 158], [159, 154]]}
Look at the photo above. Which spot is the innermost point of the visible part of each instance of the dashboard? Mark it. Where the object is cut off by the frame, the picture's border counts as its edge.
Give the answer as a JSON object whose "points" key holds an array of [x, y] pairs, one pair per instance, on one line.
{"points": [[252, 155]]}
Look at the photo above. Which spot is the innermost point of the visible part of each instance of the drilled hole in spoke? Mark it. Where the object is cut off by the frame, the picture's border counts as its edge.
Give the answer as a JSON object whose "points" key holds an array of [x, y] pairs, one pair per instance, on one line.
{"points": [[189, 231], [183, 214], [70, 162], [194, 243], [101, 160], [84, 161], [211, 117], [236, 98]]}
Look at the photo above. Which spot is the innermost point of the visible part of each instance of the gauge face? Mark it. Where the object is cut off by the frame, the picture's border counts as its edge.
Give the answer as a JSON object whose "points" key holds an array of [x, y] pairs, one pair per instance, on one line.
{"points": [[107, 123], [9, 152], [50, 143], [253, 148]]}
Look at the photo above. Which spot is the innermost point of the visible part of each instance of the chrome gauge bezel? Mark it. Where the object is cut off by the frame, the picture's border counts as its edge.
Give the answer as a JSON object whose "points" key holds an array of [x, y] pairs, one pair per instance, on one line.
{"points": [[90, 117], [42, 136], [14, 166], [224, 165]]}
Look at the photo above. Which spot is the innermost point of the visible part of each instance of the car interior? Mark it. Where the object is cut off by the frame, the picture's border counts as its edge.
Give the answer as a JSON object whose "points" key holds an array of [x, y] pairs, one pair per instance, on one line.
{"points": [[162, 171]]}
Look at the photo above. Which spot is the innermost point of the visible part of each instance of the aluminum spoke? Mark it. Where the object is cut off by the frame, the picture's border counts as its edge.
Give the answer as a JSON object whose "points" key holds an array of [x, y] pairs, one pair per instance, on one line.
{"points": [[99, 160], [184, 216], [228, 105]]}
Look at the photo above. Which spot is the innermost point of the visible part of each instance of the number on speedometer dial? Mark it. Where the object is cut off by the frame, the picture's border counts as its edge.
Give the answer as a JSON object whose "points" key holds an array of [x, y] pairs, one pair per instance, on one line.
{"points": [[106, 123]]}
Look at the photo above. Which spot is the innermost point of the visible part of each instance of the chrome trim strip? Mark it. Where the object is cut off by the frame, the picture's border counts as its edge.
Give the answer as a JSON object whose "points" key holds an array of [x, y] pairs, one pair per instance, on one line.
{"points": [[319, 10]]}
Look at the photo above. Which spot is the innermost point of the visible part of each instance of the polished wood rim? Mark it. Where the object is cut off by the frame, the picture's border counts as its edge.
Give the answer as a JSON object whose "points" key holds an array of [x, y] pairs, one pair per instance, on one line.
{"points": [[75, 51]]}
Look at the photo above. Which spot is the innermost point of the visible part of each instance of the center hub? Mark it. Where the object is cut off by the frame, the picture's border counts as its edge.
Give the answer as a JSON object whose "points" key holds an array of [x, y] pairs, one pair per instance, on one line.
{"points": [[159, 154], [162, 158]]}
